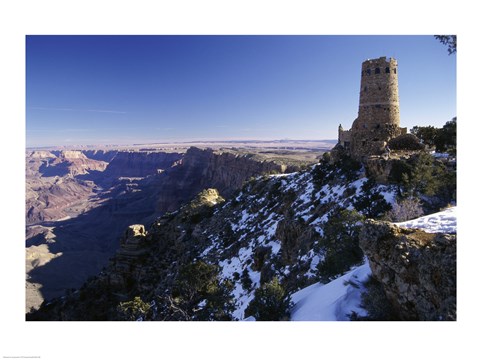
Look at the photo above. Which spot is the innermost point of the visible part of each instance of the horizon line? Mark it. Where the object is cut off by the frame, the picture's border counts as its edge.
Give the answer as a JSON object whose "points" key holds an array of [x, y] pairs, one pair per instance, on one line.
{"points": [[233, 141]]}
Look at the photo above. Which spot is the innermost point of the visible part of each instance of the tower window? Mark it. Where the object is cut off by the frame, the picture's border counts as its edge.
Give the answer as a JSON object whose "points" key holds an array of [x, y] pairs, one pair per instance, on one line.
{"points": [[387, 70], [368, 71], [395, 70], [365, 89], [377, 70]]}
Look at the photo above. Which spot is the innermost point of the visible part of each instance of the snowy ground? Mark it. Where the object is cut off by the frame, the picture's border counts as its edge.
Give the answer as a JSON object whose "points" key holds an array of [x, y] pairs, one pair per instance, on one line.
{"points": [[333, 301], [341, 296], [441, 222]]}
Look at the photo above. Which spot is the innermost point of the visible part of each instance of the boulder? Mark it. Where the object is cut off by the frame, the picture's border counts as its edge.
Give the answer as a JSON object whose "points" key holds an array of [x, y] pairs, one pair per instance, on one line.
{"points": [[417, 269]]}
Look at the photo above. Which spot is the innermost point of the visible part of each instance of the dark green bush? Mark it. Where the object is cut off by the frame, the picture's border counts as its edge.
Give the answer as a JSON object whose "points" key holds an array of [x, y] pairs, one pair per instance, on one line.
{"points": [[135, 309], [340, 243], [371, 202], [426, 134], [446, 139], [406, 142], [349, 167], [422, 175], [375, 302], [246, 281], [270, 303], [199, 282]]}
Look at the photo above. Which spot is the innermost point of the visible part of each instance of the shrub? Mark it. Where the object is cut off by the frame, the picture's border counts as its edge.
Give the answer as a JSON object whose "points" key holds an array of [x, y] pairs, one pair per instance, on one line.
{"points": [[406, 142], [270, 303], [199, 282], [322, 173], [406, 209], [340, 241], [400, 168], [444, 139], [227, 235], [327, 157], [371, 202], [375, 302], [447, 137], [349, 191], [246, 281], [349, 167], [134, 309], [423, 176], [426, 134]]}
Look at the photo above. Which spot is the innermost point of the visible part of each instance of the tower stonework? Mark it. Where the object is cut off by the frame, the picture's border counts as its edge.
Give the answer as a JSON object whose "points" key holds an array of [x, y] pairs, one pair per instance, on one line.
{"points": [[378, 118]]}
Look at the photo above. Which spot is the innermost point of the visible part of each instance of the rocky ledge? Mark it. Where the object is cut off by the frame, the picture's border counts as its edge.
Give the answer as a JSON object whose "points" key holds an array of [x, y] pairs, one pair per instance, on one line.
{"points": [[417, 269]]}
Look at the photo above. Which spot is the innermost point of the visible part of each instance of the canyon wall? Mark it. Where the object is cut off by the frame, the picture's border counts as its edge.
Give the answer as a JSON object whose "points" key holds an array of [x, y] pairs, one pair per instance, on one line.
{"points": [[201, 169]]}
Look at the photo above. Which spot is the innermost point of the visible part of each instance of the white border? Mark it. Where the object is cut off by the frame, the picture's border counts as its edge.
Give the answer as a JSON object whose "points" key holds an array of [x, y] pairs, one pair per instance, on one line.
{"points": [[71, 340]]}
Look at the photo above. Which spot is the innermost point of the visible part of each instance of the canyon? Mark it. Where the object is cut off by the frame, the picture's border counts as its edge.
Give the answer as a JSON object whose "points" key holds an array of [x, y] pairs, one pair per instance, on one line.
{"points": [[79, 202]]}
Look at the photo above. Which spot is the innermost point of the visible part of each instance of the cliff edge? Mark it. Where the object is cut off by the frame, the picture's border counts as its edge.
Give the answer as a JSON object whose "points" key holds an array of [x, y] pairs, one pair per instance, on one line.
{"points": [[417, 269]]}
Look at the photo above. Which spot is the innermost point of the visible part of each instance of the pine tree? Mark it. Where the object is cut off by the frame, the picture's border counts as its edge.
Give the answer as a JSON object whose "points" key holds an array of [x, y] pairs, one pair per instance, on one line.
{"points": [[340, 241]]}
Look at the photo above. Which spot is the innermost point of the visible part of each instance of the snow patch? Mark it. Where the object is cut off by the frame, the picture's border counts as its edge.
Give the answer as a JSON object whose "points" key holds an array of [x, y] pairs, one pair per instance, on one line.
{"points": [[441, 222], [333, 301]]}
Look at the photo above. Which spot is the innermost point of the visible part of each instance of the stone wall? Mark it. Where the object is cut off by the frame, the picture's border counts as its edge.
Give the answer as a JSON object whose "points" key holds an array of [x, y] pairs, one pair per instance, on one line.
{"points": [[344, 137]]}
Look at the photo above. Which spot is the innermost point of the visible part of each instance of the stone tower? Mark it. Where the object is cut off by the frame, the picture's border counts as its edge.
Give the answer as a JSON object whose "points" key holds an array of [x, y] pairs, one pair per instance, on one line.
{"points": [[378, 118]]}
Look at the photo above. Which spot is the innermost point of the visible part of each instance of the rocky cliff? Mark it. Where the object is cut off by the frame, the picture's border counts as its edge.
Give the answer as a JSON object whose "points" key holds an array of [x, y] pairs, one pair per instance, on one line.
{"points": [[139, 164], [200, 169], [102, 155], [417, 269]]}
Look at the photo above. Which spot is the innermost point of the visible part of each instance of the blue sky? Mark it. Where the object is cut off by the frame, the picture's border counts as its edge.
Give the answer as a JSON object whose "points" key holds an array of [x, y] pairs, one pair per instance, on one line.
{"points": [[142, 89]]}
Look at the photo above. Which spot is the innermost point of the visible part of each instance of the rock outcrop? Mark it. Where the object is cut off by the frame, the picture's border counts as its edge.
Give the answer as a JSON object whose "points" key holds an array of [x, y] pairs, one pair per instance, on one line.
{"points": [[132, 247], [296, 237], [417, 269]]}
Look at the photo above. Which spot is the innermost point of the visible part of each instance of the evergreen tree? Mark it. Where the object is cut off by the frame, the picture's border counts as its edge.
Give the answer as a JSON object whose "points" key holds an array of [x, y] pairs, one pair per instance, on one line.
{"points": [[371, 203], [340, 241], [270, 303], [446, 139], [422, 175], [426, 134], [199, 294]]}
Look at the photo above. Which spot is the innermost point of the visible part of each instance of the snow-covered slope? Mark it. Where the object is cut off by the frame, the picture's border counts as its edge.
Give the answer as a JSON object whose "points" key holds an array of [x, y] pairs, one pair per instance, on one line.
{"points": [[274, 227], [340, 297]]}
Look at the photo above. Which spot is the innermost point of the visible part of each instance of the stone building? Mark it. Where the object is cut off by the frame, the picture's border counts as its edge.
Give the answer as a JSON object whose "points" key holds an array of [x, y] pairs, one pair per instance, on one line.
{"points": [[378, 118]]}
